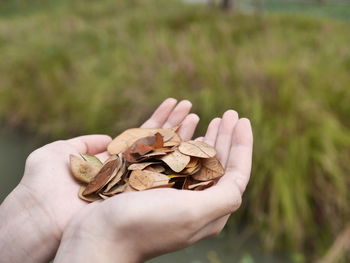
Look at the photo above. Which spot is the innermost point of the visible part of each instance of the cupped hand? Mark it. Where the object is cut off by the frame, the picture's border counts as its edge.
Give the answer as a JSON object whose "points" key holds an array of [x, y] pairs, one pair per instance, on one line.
{"points": [[47, 193], [136, 226]]}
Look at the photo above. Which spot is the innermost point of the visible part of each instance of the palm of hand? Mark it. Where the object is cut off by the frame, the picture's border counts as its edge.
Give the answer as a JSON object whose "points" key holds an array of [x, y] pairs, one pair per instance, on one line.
{"points": [[170, 219], [47, 177]]}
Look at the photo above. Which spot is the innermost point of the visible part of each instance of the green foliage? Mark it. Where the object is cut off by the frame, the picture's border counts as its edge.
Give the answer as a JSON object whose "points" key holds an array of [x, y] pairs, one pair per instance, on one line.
{"points": [[71, 67]]}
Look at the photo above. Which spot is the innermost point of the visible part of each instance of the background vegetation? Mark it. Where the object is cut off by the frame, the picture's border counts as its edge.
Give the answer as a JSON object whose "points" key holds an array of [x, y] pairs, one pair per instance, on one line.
{"points": [[73, 67]]}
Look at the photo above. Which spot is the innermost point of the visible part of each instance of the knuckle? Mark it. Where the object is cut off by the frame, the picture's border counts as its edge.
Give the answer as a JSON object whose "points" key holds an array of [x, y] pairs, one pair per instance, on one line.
{"points": [[33, 157], [41, 154], [233, 204]]}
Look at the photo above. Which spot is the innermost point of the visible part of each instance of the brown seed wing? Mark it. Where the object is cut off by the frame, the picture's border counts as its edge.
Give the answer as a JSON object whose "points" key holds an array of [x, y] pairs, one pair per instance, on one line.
{"points": [[168, 185], [102, 178], [82, 170], [176, 160], [211, 169], [89, 198], [156, 168], [158, 178], [140, 166], [128, 137], [92, 159], [197, 149], [174, 141], [121, 170], [201, 185], [116, 190], [140, 180], [128, 188], [159, 141], [193, 163]]}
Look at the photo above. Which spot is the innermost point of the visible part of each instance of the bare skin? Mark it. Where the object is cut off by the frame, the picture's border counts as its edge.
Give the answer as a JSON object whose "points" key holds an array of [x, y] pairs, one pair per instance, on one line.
{"points": [[131, 227]]}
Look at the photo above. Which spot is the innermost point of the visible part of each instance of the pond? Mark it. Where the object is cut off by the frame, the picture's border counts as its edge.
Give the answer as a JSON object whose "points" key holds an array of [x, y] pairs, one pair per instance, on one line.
{"points": [[229, 247]]}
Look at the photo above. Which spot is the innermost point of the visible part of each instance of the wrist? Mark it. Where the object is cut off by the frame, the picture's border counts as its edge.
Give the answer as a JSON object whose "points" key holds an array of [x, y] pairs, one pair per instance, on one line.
{"points": [[26, 231], [88, 238]]}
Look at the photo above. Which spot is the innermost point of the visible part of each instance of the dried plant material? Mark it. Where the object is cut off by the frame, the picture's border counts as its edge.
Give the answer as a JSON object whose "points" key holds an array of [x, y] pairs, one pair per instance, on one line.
{"points": [[146, 144], [115, 190], [174, 141], [128, 137], [104, 197], [201, 185], [192, 170], [188, 181], [193, 163], [144, 159], [159, 178], [102, 178], [176, 160], [128, 189], [211, 169], [88, 198], [118, 176], [159, 141], [176, 175], [156, 168], [82, 170], [164, 150], [168, 185], [142, 180], [197, 149], [92, 159], [140, 166], [153, 154]]}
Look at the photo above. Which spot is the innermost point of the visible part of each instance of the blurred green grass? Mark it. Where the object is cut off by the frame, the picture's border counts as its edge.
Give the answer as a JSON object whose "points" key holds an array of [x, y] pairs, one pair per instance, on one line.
{"points": [[338, 9], [72, 67]]}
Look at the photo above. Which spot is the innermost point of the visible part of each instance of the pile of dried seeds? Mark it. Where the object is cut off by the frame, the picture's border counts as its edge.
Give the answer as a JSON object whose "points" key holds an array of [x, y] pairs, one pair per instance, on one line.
{"points": [[144, 159]]}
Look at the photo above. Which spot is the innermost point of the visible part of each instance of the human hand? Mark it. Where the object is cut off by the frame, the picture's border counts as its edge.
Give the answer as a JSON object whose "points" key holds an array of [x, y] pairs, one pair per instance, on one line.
{"points": [[136, 226], [38, 210]]}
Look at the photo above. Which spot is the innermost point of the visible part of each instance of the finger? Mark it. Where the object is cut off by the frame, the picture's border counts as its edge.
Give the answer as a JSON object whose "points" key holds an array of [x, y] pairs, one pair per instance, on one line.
{"points": [[224, 136], [178, 114], [161, 114], [188, 127], [212, 131], [200, 139], [226, 196], [90, 144], [240, 159]]}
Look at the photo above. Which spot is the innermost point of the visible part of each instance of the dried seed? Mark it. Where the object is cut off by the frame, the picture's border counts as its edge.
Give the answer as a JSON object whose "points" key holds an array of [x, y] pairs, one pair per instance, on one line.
{"points": [[128, 137], [116, 190], [174, 141], [140, 166], [121, 170], [176, 160], [92, 159], [141, 180], [155, 168], [211, 169], [88, 198], [201, 185], [104, 197], [197, 149], [102, 178], [82, 170]]}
